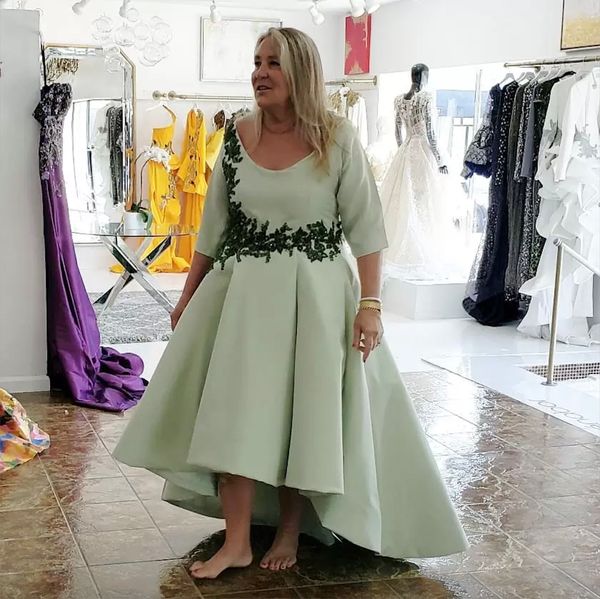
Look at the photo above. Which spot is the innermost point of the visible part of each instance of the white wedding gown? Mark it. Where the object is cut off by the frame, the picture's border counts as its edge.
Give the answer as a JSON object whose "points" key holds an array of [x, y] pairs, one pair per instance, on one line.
{"points": [[418, 201]]}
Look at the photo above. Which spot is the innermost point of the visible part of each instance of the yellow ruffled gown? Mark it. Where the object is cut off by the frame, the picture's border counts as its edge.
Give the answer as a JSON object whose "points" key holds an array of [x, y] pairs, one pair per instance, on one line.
{"points": [[199, 157], [164, 203]]}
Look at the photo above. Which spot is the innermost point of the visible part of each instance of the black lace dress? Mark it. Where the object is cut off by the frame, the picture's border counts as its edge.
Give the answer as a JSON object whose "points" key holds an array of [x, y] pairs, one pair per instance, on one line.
{"points": [[486, 300]]}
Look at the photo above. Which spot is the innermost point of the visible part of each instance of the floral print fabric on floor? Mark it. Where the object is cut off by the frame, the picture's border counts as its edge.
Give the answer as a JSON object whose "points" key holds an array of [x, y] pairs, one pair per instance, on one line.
{"points": [[20, 438]]}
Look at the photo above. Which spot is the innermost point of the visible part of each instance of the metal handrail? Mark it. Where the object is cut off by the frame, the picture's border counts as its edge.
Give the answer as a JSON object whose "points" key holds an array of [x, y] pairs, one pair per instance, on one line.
{"points": [[562, 248]]}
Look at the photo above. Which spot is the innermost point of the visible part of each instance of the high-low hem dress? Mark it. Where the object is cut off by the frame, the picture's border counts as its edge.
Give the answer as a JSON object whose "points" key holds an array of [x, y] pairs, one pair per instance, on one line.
{"points": [[260, 378]]}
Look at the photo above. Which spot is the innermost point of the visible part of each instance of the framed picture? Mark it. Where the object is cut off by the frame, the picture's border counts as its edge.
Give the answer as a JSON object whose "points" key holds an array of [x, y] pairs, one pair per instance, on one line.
{"points": [[358, 45], [580, 24], [227, 48]]}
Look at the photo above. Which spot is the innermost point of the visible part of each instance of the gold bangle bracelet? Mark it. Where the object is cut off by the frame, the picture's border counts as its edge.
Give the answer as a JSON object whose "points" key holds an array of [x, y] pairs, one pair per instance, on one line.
{"points": [[371, 308], [370, 304]]}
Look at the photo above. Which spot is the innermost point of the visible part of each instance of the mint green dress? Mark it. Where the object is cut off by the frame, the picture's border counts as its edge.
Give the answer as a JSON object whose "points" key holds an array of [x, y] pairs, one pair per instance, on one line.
{"points": [[260, 378]]}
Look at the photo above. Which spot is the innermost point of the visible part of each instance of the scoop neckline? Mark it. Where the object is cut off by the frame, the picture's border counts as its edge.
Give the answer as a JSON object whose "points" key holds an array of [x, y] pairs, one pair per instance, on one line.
{"points": [[264, 168]]}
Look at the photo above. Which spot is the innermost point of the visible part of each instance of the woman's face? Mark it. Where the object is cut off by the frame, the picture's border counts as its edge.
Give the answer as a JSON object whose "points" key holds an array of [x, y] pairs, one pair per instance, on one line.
{"points": [[268, 80]]}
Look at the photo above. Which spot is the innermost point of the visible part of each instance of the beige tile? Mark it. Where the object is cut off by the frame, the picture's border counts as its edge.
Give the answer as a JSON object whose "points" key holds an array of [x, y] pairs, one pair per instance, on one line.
{"points": [[440, 587], [558, 545], [98, 490], [148, 487], [487, 489], [121, 547], [146, 580], [470, 443], [28, 474], [586, 573], [583, 509], [51, 552], [24, 524], [361, 590], [166, 514], [73, 583], [86, 518], [16, 497], [545, 483], [443, 425], [516, 515], [542, 582], [569, 457], [486, 552], [184, 539], [76, 467]]}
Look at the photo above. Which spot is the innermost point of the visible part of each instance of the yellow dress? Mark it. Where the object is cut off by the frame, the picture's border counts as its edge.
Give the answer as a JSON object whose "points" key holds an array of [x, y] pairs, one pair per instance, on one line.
{"points": [[199, 158], [191, 180], [164, 203]]}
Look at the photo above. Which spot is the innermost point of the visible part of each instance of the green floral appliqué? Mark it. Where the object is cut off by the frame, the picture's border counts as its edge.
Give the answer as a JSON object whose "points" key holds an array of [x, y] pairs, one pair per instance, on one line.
{"points": [[246, 236]]}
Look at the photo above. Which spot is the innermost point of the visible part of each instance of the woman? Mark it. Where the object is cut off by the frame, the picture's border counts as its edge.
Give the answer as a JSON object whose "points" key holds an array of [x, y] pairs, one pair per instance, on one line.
{"points": [[261, 409]]}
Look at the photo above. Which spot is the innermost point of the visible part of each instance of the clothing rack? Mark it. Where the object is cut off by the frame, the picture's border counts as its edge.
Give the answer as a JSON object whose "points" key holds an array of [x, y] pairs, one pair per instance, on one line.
{"points": [[549, 61], [353, 81], [172, 95]]}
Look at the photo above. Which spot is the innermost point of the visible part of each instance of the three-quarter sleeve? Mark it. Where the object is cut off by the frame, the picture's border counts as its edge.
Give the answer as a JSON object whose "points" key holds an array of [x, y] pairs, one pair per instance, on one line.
{"points": [[215, 216], [358, 200]]}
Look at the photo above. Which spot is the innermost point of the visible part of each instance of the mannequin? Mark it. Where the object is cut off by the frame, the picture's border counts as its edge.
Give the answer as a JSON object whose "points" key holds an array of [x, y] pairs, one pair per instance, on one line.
{"points": [[418, 200], [420, 78]]}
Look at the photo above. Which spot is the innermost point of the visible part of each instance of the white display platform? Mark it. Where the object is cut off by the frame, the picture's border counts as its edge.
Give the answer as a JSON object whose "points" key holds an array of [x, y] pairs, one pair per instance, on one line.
{"points": [[424, 300]]}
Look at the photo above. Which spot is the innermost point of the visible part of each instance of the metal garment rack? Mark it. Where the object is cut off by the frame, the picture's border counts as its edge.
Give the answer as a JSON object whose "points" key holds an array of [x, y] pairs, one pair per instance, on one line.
{"points": [[562, 248], [353, 81], [173, 95], [554, 61]]}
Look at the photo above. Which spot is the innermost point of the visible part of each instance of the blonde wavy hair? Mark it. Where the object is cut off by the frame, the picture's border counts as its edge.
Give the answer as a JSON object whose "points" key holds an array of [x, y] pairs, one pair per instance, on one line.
{"points": [[301, 66]]}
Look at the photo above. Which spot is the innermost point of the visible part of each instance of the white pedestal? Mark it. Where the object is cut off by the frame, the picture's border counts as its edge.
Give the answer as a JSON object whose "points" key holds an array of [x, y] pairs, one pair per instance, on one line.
{"points": [[424, 300]]}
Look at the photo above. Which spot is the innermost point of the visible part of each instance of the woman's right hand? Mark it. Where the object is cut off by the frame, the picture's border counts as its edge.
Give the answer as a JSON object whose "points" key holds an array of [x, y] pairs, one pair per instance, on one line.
{"points": [[177, 312]]}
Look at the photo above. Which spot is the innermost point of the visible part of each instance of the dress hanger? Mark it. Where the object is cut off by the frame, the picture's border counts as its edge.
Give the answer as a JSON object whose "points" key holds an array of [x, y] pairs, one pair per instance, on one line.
{"points": [[507, 79]]}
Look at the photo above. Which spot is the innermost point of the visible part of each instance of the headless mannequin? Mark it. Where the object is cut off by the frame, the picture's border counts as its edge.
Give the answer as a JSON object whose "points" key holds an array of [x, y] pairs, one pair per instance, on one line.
{"points": [[420, 77]]}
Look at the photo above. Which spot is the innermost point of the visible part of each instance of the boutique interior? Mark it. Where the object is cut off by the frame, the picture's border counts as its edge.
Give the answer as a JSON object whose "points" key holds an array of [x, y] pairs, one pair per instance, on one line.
{"points": [[112, 119]]}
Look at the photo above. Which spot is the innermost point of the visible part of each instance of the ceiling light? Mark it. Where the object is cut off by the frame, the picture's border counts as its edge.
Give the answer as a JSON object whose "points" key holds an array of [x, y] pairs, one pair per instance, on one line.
{"points": [[79, 6], [317, 16], [357, 8], [215, 15], [124, 8], [372, 6]]}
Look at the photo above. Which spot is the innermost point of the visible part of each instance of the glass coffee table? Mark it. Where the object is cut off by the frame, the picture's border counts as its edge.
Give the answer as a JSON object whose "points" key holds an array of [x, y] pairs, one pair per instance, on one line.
{"points": [[135, 262]]}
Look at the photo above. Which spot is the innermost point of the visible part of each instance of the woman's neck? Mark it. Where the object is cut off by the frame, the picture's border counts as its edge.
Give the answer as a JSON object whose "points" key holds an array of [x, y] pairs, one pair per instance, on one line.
{"points": [[278, 117]]}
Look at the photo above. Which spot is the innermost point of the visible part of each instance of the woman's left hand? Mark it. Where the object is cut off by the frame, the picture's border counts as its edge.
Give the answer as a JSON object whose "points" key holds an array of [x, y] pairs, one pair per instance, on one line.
{"points": [[368, 332]]}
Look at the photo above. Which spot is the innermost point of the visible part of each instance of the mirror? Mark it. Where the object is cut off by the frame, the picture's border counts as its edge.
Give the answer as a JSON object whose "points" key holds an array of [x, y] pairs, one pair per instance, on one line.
{"points": [[99, 131]]}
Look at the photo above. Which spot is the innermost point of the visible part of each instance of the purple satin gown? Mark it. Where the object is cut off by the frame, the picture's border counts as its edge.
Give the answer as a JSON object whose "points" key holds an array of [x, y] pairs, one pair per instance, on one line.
{"points": [[95, 376]]}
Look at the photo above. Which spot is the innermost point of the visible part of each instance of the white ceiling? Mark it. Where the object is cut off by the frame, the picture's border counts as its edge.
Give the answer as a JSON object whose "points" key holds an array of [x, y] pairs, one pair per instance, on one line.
{"points": [[335, 6]]}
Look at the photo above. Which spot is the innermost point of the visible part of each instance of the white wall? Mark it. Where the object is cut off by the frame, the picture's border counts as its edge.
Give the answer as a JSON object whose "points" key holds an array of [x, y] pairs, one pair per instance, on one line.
{"points": [[445, 33], [181, 70], [22, 271]]}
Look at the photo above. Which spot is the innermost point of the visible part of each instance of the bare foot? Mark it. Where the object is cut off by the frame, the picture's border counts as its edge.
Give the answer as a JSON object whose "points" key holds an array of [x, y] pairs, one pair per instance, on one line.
{"points": [[224, 559], [282, 554]]}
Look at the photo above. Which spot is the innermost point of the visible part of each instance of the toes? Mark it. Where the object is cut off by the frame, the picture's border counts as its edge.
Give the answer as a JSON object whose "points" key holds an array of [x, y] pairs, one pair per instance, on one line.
{"points": [[196, 566]]}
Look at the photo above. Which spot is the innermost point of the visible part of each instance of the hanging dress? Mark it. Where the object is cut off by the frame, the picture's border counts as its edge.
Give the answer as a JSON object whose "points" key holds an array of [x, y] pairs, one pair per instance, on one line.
{"points": [[486, 298], [569, 172], [191, 181], [94, 376], [164, 201], [260, 378]]}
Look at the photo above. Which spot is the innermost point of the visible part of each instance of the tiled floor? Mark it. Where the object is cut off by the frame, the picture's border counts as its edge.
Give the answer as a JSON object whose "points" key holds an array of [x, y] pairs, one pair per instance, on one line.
{"points": [[76, 525]]}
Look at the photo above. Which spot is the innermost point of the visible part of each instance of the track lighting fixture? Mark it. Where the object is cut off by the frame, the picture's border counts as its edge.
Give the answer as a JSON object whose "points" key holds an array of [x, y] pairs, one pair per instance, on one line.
{"points": [[317, 16], [215, 15], [357, 8], [79, 6], [372, 6]]}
